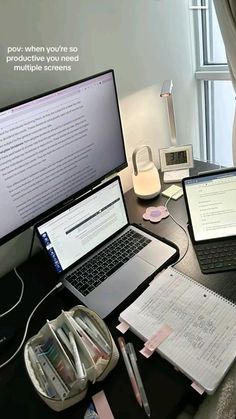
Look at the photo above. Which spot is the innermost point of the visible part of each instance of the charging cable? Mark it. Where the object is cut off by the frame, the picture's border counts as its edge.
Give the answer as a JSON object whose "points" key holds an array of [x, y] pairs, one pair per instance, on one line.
{"points": [[28, 321], [20, 297], [182, 227], [22, 283]]}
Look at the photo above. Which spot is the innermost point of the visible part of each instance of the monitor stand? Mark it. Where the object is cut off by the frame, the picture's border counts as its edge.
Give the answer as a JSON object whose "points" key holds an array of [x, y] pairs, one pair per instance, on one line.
{"points": [[175, 175]]}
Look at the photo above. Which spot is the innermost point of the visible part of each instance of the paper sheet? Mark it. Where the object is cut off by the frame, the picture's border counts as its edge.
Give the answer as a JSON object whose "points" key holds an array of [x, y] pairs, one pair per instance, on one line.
{"points": [[203, 341]]}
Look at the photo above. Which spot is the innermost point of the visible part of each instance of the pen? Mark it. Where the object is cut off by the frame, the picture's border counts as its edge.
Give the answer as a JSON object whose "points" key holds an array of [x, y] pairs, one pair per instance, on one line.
{"points": [[122, 346], [95, 335], [102, 341], [133, 359], [62, 335], [95, 352], [78, 364]]}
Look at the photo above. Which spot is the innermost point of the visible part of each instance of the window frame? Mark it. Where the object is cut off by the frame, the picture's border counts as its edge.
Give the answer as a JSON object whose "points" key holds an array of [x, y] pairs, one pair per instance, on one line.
{"points": [[205, 74]]}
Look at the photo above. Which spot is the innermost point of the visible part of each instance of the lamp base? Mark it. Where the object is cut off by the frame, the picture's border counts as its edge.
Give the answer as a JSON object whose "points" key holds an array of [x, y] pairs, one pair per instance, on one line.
{"points": [[150, 196]]}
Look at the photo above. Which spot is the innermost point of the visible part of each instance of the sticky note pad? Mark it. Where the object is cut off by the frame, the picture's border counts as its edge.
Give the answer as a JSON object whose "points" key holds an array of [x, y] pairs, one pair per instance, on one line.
{"points": [[102, 406], [174, 192]]}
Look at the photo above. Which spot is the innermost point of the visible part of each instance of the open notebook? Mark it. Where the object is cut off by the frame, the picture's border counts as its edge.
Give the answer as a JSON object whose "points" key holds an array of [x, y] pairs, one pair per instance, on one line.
{"points": [[202, 343]]}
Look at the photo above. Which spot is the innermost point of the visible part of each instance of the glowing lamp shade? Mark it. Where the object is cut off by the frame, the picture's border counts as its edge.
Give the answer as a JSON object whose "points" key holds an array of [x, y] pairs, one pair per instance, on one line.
{"points": [[146, 180]]}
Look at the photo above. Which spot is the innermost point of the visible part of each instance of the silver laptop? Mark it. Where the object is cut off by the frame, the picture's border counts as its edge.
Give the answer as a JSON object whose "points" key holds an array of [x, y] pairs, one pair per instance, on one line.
{"points": [[211, 205], [97, 254]]}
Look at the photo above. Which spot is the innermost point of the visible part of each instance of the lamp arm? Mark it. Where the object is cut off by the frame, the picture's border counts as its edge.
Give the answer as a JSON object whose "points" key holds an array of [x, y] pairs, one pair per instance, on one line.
{"points": [[171, 116]]}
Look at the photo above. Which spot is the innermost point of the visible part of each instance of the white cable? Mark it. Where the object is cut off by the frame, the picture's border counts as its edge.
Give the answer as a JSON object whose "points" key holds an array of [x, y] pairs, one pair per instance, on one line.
{"points": [[182, 227], [20, 297], [27, 324], [22, 283]]}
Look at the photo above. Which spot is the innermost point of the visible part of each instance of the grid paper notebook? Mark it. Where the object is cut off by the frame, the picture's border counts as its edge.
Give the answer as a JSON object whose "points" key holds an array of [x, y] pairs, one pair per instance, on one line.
{"points": [[203, 342]]}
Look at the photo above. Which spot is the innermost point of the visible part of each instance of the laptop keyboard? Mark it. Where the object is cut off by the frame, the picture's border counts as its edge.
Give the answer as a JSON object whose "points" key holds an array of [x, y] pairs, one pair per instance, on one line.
{"points": [[217, 257], [92, 273]]}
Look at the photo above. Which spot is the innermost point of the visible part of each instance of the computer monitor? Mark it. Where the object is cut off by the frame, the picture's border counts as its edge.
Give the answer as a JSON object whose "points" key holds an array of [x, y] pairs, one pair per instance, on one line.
{"points": [[54, 147]]}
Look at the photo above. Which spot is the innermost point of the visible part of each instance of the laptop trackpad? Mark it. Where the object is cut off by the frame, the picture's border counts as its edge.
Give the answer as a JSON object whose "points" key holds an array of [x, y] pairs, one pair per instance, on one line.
{"points": [[119, 286], [157, 253]]}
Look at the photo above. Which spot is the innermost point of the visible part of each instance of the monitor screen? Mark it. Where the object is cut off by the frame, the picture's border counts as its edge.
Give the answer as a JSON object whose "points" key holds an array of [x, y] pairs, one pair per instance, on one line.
{"points": [[54, 147]]}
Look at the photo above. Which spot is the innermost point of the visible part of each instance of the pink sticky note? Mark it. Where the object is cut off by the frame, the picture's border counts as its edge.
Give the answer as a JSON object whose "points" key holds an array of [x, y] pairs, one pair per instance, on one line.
{"points": [[102, 406], [145, 352], [158, 337], [198, 388], [122, 327]]}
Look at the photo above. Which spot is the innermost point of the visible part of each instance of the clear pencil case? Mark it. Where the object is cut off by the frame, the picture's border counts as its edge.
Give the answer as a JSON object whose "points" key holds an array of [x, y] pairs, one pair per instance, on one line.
{"points": [[67, 354]]}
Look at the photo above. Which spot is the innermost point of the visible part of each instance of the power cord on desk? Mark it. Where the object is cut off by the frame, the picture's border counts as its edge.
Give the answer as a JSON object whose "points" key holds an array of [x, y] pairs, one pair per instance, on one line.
{"points": [[20, 297], [183, 228], [180, 225], [22, 283], [28, 321]]}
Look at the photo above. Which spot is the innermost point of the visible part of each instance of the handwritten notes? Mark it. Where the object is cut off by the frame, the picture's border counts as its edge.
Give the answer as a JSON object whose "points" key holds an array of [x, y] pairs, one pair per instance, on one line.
{"points": [[203, 341]]}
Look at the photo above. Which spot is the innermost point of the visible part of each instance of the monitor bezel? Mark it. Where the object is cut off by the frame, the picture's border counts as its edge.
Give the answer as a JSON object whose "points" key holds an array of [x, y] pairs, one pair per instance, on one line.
{"points": [[76, 195]]}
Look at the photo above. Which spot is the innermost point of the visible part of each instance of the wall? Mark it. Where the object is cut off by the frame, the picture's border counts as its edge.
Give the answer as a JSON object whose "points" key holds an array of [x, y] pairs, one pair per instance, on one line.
{"points": [[145, 41]]}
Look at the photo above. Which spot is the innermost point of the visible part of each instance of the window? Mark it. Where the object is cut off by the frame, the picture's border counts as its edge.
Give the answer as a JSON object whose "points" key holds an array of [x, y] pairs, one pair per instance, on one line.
{"points": [[216, 93]]}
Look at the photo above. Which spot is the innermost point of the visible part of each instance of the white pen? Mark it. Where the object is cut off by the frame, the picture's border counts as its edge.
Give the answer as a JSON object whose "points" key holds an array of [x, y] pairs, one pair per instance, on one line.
{"points": [[133, 360], [93, 333], [98, 335], [94, 350], [62, 335], [80, 369]]}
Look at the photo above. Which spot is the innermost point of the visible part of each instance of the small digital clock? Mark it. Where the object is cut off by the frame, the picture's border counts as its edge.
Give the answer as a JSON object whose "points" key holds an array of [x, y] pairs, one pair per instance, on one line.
{"points": [[176, 160]]}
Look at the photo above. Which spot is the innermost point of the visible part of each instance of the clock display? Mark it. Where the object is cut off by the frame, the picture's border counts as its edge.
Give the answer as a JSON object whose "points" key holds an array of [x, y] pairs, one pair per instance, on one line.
{"points": [[176, 157]]}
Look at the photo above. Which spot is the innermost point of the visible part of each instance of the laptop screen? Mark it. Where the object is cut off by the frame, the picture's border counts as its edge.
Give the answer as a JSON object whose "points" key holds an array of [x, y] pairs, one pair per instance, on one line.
{"points": [[77, 230], [211, 205]]}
